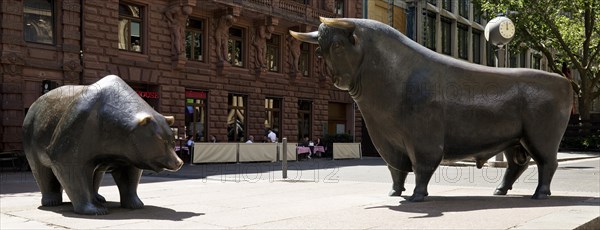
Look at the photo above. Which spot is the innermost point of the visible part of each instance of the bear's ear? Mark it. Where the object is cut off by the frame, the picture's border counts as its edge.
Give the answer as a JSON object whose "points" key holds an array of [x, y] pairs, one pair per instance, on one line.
{"points": [[143, 118], [170, 120]]}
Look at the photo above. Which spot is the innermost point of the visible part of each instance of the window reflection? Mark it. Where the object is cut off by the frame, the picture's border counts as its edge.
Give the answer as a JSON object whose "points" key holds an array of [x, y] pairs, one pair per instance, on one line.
{"points": [[236, 118], [38, 18], [130, 27]]}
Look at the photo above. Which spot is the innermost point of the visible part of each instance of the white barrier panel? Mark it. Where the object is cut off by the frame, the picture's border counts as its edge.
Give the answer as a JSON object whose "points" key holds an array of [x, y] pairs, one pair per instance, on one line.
{"points": [[258, 152], [346, 150], [291, 151], [215, 152]]}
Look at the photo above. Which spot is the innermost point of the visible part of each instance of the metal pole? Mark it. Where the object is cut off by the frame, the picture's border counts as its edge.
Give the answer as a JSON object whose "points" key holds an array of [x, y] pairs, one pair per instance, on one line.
{"points": [[284, 165]]}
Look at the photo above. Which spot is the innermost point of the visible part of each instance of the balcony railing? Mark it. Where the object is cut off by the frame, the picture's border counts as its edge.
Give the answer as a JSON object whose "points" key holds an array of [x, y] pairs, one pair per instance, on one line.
{"points": [[290, 9]]}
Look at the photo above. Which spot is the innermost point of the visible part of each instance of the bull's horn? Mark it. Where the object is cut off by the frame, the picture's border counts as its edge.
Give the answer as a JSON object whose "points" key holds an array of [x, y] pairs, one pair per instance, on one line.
{"points": [[170, 120], [338, 23], [311, 37]]}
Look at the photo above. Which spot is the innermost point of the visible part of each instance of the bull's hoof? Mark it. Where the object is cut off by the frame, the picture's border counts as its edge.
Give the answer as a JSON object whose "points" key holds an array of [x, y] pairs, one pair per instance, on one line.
{"points": [[100, 198], [417, 198], [51, 199], [540, 196], [91, 209], [396, 192], [500, 192], [132, 203]]}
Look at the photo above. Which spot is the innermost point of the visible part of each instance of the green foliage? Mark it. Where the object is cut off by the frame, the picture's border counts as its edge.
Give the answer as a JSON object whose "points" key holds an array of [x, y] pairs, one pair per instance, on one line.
{"points": [[563, 30]]}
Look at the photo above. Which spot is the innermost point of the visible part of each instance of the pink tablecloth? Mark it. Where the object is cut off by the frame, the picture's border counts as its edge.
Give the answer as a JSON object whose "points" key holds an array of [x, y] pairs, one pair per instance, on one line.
{"points": [[302, 150], [319, 149]]}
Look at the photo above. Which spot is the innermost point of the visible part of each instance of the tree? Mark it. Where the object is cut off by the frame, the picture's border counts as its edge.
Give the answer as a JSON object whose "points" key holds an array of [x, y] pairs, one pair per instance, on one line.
{"points": [[564, 31]]}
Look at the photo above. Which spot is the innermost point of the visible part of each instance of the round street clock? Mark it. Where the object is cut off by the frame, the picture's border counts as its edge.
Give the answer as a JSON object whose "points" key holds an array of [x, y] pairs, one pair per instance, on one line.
{"points": [[499, 31]]}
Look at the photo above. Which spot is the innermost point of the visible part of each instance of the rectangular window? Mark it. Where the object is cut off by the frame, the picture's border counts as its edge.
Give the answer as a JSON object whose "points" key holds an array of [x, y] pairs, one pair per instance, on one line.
{"points": [[463, 8], [446, 36], [236, 117], [38, 19], [304, 119], [447, 5], [513, 61], [491, 54], [463, 41], [195, 114], [273, 51], [273, 115], [339, 8], [477, 13], [194, 40], [477, 46], [536, 61], [429, 30], [131, 19], [304, 63], [523, 58], [235, 47]]}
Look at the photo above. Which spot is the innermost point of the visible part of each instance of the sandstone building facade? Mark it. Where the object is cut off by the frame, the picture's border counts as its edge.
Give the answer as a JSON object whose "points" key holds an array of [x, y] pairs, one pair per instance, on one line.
{"points": [[223, 68]]}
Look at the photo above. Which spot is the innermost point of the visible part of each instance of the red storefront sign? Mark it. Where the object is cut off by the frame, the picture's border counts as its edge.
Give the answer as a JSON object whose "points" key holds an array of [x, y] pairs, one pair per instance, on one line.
{"points": [[195, 94], [148, 94]]}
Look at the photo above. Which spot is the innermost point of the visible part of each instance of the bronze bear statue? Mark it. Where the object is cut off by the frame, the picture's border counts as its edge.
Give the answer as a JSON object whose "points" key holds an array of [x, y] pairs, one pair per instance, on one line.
{"points": [[74, 134]]}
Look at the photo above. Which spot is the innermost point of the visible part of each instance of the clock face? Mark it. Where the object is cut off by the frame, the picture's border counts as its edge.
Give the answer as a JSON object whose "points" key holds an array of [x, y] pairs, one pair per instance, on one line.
{"points": [[507, 29]]}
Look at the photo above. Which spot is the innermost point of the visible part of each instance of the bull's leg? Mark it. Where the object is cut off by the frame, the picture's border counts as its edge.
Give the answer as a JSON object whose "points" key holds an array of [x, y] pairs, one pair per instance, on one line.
{"points": [[49, 185], [98, 175], [544, 154], [127, 179], [398, 178], [422, 176], [78, 182], [518, 161]]}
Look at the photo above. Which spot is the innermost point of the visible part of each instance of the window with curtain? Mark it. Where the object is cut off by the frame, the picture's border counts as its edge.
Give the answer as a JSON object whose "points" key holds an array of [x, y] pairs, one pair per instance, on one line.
{"points": [[194, 39], [463, 8], [236, 117], [446, 36], [273, 114], [476, 46], [429, 30], [447, 5], [131, 27], [463, 41], [273, 51], [38, 21], [304, 63], [304, 119], [235, 45]]}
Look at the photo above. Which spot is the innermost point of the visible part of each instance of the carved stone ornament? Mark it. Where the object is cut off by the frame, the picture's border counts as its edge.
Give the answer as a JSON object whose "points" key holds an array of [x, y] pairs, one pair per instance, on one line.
{"points": [[13, 63]]}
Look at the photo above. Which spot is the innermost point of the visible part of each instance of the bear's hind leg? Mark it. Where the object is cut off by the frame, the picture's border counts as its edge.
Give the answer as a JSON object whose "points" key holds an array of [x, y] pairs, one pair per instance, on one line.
{"points": [[78, 182], [98, 175], [127, 179], [49, 185]]}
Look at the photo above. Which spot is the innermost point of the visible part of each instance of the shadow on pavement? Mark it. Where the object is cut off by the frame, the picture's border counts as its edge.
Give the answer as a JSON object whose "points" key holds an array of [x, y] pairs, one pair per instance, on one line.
{"points": [[436, 206], [149, 212]]}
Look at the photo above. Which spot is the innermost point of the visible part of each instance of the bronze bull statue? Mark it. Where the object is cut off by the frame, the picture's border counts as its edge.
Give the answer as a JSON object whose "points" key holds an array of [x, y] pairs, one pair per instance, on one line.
{"points": [[421, 107]]}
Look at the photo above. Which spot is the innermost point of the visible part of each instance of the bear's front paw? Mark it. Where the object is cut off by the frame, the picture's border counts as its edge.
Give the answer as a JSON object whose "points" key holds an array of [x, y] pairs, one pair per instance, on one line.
{"points": [[100, 198], [51, 199], [91, 209], [133, 202]]}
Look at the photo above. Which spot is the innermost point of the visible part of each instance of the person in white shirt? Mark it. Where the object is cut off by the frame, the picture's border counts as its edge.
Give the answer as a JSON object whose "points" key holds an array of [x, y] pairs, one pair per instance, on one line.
{"points": [[250, 139], [272, 136]]}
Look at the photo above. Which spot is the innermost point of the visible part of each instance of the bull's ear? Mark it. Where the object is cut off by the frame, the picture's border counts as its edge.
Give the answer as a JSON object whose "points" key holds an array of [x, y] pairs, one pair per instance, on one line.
{"points": [[311, 37], [143, 118], [170, 120]]}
